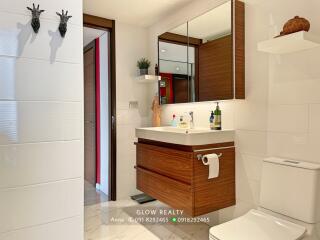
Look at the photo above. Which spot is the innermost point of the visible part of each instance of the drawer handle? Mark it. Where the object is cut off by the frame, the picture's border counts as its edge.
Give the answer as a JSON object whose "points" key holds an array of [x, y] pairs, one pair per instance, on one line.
{"points": [[199, 156]]}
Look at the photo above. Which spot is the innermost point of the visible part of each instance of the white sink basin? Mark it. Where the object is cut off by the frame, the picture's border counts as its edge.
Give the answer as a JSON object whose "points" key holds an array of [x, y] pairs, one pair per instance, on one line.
{"points": [[196, 136]]}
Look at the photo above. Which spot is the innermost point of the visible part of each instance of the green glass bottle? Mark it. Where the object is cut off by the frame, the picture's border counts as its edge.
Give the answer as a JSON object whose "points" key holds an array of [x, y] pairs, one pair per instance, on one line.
{"points": [[217, 118]]}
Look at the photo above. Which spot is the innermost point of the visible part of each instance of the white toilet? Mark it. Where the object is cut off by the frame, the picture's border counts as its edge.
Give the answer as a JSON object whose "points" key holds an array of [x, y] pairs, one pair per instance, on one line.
{"points": [[289, 205]]}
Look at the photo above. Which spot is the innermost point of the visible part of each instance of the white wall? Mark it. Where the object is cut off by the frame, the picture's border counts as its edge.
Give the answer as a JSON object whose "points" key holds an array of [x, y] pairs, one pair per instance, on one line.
{"points": [[41, 124], [131, 44], [104, 113], [279, 116], [294, 86]]}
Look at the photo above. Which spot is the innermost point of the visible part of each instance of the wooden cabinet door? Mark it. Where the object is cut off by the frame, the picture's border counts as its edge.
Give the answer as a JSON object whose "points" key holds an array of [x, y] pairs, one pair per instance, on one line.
{"points": [[216, 70], [217, 193]]}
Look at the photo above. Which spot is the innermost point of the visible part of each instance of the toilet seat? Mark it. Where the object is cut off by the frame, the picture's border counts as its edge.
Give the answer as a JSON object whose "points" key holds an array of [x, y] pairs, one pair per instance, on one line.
{"points": [[256, 225]]}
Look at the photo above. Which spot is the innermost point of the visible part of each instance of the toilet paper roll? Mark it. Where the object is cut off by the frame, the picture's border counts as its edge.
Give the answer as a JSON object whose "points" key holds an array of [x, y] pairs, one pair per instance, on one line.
{"points": [[212, 160]]}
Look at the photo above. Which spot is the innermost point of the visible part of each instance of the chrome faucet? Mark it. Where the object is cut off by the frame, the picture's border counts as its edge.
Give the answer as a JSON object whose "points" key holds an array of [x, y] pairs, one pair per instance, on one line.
{"points": [[191, 120]]}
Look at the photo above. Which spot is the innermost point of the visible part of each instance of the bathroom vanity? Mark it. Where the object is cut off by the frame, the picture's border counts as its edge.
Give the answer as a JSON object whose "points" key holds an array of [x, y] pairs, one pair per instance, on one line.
{"points": [[200, 60], [172, 173]]}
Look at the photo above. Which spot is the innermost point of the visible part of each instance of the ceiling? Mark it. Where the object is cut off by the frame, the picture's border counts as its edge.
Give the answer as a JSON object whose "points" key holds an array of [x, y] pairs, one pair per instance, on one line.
{"points": [[142, 13], [215, 23], [176, 52], [89, 34]]}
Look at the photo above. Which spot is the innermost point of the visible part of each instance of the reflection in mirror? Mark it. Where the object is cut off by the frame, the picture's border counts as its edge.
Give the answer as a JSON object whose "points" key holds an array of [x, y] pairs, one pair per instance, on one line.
{"points": [[196, 59], [174, 66]]}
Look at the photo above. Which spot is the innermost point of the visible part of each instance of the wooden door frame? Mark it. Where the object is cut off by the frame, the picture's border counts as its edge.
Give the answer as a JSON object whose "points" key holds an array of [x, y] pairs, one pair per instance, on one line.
{"points": [[109, 25]]}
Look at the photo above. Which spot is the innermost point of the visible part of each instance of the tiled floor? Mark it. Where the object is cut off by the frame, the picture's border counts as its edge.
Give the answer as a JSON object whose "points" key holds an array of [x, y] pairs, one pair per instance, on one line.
{"points": [[93, 196], [102, 223]]}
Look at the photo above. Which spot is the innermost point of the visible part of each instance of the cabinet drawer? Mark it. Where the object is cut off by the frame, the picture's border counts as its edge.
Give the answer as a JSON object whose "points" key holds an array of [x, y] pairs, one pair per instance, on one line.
{"points": [[174, 193], [172, 163]]}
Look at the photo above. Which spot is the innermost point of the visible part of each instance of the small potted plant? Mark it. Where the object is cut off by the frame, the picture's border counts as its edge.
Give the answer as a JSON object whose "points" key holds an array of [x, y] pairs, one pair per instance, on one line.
{"points": [[143, 64]]}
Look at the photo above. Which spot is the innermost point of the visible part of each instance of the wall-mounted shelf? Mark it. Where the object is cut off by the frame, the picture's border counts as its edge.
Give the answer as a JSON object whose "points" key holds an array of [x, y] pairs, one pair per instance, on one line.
{"points": [[148, 79], [290, 43]]}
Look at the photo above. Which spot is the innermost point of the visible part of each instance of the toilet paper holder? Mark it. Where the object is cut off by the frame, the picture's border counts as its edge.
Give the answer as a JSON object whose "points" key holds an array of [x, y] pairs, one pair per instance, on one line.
{"points": [[199, 156]]}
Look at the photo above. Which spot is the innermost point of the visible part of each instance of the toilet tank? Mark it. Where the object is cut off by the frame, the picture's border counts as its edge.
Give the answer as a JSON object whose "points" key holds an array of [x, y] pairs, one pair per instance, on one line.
{"points": [[291, 188]]}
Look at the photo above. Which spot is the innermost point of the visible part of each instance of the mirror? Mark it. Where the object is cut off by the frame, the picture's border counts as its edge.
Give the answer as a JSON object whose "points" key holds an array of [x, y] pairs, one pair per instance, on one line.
{"points": [[196, 59], [174, 66]]}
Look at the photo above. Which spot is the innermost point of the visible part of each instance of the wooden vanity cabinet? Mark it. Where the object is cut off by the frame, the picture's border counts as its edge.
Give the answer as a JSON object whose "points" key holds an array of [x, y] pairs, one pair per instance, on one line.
{"points": [[173, 174]]}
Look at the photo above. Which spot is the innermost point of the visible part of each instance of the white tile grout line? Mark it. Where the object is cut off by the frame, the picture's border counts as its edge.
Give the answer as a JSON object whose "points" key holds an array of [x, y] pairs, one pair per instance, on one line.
{"points": [[42, 59], [288, 104], [309, 117], [3, 189], [45, 60], [41, 142]]}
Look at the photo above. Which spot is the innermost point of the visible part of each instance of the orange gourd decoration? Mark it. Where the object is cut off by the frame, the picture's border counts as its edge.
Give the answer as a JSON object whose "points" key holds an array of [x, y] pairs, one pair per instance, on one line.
{"points": [[295, 24]]}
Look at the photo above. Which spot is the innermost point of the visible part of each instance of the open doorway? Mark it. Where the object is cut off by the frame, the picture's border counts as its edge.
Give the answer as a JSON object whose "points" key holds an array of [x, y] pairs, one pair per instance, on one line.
{"points": [[99, 112]]}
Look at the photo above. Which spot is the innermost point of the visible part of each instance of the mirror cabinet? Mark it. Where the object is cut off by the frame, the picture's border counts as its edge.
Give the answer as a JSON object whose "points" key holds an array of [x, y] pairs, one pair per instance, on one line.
{"points": [[203, 59]]}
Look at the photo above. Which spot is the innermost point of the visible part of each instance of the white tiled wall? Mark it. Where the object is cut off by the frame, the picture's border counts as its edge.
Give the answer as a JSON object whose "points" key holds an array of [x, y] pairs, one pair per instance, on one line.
{"points": [[70, 228], [42, 203], [131, 42], [41, 123], [51, 7], [294, 99], [35, 163], [201, 112], [49, 84]]}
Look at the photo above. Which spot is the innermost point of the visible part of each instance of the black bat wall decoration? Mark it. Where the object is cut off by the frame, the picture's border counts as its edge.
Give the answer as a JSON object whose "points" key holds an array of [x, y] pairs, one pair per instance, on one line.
{"points": [[35, 22], [64, 18]]}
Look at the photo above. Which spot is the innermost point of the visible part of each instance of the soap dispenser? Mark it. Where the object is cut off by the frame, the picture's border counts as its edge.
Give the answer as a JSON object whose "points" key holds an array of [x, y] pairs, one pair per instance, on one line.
{"points": [[217, 118], [182, 122], [174, 122], [211, 121]]}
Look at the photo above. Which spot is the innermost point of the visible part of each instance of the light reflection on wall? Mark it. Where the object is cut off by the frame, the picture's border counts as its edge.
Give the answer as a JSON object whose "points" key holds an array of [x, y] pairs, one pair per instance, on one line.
{"points": [[7, 78], [9, 42], [9, 45], [8, 122]]}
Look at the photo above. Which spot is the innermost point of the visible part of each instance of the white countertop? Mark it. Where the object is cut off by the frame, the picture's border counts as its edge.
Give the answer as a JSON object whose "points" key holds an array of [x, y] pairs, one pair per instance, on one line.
{"points": [[183, 136]]}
